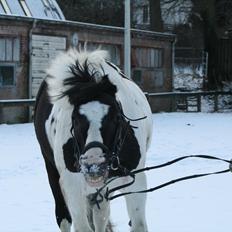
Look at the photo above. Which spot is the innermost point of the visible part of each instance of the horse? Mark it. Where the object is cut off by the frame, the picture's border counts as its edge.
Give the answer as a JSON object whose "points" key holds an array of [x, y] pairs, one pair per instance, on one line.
{"points": [[85, 122]]}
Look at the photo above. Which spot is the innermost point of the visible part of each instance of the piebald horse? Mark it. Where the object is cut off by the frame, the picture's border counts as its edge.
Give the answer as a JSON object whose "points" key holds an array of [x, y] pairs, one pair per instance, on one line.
{"points": [[84, 124]]}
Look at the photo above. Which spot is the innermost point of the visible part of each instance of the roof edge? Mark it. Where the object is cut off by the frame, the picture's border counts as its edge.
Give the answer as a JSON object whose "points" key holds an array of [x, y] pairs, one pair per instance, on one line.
{"points": [[168, 36]]}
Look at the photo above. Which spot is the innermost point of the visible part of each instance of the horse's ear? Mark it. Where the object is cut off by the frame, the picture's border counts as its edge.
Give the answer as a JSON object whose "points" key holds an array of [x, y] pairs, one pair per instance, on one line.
{"points": [[107, 87]]}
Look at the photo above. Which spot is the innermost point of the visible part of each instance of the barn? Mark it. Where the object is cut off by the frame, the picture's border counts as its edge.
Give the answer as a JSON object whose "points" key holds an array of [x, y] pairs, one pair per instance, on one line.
{"points": [[32, 33]]}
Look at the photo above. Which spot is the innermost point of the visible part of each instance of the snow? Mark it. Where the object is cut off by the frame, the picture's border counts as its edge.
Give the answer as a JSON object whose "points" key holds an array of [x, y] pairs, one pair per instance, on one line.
{"points": [[199, 205], [188, 77], [15, 8], [45, 9]]}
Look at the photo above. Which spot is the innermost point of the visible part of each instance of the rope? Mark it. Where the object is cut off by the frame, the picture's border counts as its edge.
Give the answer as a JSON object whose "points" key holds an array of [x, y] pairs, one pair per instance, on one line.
{"points": [[133, 174]]}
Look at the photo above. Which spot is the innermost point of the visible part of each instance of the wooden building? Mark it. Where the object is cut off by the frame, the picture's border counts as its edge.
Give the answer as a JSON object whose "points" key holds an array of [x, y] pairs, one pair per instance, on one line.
{"points": [[28, 44]]}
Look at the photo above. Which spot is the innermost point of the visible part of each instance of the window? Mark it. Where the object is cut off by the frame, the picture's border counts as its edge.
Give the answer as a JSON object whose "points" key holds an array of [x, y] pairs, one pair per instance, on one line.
{"points": [[25, 8], [50, 9], [7, 74], [1, 9], [149, 57], [16, 8], [9, 55], [146, 14], [148, 70], [9, 49], [158, 78], [157, 57], [5, 6], [137, 76], [113, 50], [47, 9]]}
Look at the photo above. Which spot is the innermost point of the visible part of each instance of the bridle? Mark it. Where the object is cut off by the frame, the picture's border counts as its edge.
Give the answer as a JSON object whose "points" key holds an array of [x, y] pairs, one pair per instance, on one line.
{"points": [[112, 153], [115, 165]]}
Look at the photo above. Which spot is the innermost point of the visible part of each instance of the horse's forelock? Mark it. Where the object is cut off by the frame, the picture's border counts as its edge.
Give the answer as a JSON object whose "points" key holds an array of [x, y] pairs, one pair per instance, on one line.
{"points": [[73, 71], [82, 92]]}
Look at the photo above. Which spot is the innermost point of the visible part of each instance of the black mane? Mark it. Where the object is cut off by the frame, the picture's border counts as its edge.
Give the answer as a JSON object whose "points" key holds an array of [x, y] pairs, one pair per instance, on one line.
{"points": [[84, 86]]}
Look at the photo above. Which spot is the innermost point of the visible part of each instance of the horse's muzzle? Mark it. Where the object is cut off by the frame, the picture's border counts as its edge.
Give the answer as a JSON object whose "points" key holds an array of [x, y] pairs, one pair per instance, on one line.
{"points": [[95, 174], [93, 163]]}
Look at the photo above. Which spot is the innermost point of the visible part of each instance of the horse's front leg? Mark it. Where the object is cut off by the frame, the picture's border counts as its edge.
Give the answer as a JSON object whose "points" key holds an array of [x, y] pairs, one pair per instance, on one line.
{"points": [[136, 205], [72, 188], [101, 216]]}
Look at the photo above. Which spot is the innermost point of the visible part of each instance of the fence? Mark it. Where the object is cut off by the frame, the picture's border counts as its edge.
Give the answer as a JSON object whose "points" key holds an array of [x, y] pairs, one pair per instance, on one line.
{"points": [[16, 102], [180, 101], [190, 101], [16, 110]]}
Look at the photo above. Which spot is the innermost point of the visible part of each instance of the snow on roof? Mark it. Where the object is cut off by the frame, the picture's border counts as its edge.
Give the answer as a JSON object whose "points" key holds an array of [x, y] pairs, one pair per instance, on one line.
{"points": [[43, 9]]}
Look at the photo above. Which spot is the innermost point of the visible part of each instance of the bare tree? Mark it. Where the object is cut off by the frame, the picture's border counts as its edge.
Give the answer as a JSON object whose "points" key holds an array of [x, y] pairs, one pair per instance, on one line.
{"points": [[156, 23], [212, 19], [106, 12], [215, 17]]}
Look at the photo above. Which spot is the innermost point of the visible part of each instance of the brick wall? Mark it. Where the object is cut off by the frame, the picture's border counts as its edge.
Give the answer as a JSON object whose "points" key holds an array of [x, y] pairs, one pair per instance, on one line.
{"points": [[19, 89]]}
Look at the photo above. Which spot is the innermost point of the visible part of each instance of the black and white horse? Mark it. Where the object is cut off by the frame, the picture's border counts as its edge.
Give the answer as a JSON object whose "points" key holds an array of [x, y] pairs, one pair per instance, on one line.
{"points": [[82, 119]]}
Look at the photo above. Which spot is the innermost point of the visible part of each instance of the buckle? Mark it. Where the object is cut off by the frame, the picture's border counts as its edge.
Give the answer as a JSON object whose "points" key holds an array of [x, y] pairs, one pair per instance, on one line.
{"points": [[114, 163]]}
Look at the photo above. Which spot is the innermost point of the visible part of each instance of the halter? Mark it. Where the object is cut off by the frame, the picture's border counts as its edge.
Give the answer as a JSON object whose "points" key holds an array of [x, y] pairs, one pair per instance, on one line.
{"points": [[112, 155]]}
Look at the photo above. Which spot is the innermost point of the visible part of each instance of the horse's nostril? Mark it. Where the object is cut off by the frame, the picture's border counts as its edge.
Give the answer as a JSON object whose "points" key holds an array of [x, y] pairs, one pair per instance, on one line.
{"points": [[94, 170], [82, 159]]}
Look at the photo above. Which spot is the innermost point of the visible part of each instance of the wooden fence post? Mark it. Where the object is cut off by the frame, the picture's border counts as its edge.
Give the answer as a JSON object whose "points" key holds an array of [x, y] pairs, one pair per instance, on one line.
{"points": [[198, 103], [215, 102], [174, 103]]}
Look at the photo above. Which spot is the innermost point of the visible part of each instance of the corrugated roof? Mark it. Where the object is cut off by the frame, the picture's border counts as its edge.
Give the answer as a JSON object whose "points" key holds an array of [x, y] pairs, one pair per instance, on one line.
{"points": [[42, 9]]}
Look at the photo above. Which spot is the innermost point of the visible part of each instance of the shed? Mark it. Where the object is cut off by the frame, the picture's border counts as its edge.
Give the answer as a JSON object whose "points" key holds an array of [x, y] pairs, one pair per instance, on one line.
{"points": [[29, 42]]}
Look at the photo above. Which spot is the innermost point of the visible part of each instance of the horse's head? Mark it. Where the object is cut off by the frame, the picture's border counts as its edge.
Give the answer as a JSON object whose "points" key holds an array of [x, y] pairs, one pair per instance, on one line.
{"points": [[96, 125], [96, 122]]}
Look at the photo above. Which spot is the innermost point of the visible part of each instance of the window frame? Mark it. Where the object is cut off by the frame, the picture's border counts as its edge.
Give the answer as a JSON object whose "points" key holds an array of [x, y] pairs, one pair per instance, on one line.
{"points": [[150, 53], [8, 64], [5, 6], [138, 82], [107, 47], [15, 49], [25, 8], [146, 14], [158, 83]]}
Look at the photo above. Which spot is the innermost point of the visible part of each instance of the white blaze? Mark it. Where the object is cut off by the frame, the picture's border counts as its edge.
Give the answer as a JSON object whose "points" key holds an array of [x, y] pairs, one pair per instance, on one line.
{"points": [[94, 112]]}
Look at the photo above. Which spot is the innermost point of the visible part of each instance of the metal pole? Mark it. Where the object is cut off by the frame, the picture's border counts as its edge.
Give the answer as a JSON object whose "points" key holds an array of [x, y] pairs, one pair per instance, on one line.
{"points": [[127, 40]]}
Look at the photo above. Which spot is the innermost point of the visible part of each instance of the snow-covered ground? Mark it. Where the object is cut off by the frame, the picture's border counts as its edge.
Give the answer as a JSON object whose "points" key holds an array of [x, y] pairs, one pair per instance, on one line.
{"points": [[201, 205]]}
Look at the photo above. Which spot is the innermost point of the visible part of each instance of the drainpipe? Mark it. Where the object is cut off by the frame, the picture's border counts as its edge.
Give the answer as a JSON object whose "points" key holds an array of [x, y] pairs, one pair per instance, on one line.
{"points": [[127, 40], [173, 61], [30, 59], [30, 111], [173, 100]]}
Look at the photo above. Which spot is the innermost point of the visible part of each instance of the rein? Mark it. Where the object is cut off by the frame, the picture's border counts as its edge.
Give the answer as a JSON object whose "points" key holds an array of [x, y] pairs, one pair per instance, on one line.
{"points": [[132, 174], [99, 197], [114, 164]]}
